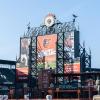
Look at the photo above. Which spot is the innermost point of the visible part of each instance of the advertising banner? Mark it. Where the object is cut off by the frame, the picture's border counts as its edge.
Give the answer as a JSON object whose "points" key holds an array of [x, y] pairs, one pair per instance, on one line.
{"points": [[69, 44], [22, 73], [72, 68], [72, 43], [22, 66], [24, 51], [46, 50]]}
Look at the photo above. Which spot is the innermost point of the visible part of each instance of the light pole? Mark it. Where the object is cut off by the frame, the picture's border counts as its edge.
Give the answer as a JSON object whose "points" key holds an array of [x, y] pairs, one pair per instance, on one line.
{"points": [[89, 91], [57, 90], [98, 85], [90, 83], [79, 85]]}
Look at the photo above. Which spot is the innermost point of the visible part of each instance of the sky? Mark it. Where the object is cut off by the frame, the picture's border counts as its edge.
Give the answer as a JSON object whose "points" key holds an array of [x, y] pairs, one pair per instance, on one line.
{"points": [[16, 14]]}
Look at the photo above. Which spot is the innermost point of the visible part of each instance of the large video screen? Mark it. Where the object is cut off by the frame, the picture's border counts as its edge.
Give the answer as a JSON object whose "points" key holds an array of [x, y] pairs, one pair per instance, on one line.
{"points": [[46, 51]]}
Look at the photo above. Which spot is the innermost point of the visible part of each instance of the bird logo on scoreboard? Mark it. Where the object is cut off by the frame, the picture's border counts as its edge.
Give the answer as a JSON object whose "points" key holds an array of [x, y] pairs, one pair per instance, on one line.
{"points": [[46, 42]]}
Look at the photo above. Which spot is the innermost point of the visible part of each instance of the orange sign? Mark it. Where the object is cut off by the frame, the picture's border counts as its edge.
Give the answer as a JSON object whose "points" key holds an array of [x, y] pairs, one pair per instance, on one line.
{"points": [[22, 73], [46, 48], [72, 68]]}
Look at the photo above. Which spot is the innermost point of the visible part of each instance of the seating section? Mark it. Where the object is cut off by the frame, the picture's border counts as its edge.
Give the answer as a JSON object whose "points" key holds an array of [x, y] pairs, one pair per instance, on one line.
{"points": [[7, 75]]}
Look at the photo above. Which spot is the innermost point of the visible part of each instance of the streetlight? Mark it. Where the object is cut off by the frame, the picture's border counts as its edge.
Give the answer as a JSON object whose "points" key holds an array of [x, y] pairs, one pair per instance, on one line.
{"points": [[90, 83], [98, 85], [57, 89], [79, 85]]}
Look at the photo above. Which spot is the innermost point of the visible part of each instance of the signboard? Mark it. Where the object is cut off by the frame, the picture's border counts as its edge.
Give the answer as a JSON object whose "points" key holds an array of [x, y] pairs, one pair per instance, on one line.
{"points": [[46, 50], [22, 66], [22, 73], [69, 44], [24, 51], [72, 44], [72, 68]]}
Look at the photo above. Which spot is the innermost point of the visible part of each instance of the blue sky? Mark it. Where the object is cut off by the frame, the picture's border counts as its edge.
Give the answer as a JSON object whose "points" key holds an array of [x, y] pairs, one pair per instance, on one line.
{"points": [[16, 14]]}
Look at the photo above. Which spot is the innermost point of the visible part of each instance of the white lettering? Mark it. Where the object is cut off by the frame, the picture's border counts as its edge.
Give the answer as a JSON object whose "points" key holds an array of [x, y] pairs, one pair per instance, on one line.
{"points": [[46, 53]]}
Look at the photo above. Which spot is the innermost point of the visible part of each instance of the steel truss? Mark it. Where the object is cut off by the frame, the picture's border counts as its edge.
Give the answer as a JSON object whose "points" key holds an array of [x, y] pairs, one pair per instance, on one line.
{"points": [[33, 57], [61, 29], [85, 59], [62, 55], [85, 62]]}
